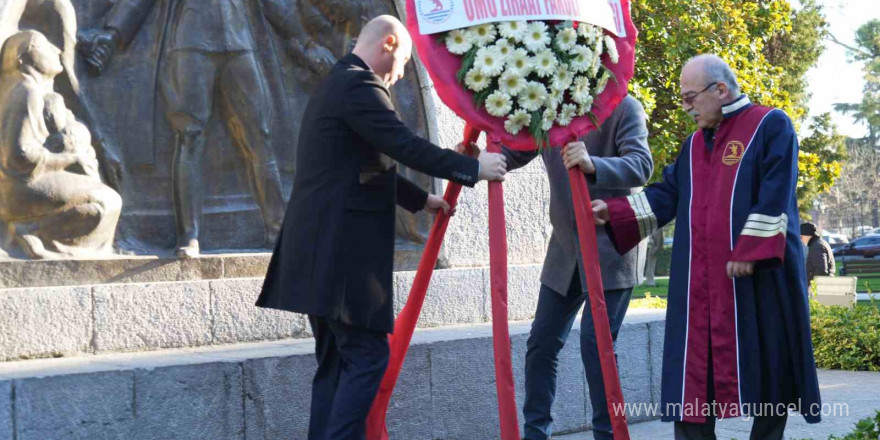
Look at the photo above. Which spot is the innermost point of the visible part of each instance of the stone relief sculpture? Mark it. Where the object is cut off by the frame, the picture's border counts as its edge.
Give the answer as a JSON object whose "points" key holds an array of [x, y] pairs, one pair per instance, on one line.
{"points": [[56, 20], [210, 114], [52, 201], [326, 31], [207, 55]]}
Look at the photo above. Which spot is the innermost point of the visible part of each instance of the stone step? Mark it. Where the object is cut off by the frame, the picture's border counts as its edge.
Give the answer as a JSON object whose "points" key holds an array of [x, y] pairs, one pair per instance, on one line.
{"points": [[261, 390], [39, 322]]}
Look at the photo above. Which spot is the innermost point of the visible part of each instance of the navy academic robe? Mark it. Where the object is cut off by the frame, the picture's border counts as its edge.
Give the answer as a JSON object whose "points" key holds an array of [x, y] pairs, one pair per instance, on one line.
{"points": [[732, 193]]}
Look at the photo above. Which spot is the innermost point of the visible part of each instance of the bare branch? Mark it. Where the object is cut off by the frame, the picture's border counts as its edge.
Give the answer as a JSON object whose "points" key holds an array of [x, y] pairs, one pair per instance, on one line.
{"points": [[846, 46]]}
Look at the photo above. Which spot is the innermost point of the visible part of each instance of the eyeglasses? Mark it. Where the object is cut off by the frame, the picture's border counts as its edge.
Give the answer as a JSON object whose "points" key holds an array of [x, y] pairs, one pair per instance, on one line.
{"points": [[689, 100]]}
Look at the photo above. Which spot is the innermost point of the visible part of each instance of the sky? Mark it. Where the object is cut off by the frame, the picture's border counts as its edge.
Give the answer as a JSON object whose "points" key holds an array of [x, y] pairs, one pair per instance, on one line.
{"points": [[834, 79]]}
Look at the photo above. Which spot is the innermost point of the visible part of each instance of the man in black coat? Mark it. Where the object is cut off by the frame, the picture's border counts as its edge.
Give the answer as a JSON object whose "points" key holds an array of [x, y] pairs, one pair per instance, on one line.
{"points": [[820, 258], [333, 259]]}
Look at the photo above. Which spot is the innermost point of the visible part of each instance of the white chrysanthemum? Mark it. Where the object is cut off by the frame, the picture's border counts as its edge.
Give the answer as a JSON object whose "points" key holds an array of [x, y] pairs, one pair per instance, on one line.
{"points": [[504, 48], [563, 78], [603, 81], [548, 119], [513, 29], [537, 36], [519, 60], [566, 115], [587, 31], [583, 58], [517, 121], [586, 106], [483, 34], [476, 80], [533, 96], [459, 42], [599, 47], [554, 98], [594, 68], [511, 82], [566, 38], [611, 47], [490, 61], [499, 103], [580, 92], [545, 63]]}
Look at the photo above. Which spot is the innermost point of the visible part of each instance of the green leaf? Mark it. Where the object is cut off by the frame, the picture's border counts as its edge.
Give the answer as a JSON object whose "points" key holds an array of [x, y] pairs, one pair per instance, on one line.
{"points": [[467, 62]]}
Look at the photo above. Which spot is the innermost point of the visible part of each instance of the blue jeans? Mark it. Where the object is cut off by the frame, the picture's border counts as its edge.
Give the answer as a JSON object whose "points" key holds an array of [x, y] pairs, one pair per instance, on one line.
{"points": [[553, 321]]}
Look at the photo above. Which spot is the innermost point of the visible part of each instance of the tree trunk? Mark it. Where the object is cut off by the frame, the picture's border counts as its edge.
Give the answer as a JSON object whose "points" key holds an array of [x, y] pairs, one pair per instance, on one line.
{"points": [[655, 244]]}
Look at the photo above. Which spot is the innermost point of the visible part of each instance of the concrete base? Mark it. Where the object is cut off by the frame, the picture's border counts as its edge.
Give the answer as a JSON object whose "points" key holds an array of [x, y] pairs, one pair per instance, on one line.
{"points": [[261, 390], [151, 269], [97, 319]]}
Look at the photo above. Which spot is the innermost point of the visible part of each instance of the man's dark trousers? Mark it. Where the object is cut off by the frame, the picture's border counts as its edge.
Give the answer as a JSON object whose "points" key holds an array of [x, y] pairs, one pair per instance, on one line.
{"points": [[351, 363], [553, 320]]}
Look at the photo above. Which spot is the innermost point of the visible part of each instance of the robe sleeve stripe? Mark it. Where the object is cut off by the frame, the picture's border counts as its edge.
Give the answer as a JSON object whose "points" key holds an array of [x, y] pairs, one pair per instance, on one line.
{"points": [[643, 214], [764, 226], [762, 239], [630, 221]]}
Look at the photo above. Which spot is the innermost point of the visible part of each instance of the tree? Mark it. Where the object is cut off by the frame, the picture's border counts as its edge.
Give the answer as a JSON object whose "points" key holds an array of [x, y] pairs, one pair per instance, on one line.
{"points": [[820, 162], [857, 190], [768, 43], [867, 50]]}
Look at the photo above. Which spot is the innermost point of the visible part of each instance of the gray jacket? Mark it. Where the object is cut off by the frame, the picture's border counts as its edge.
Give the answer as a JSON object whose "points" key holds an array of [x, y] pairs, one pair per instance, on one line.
{"points": [[619, 149]]}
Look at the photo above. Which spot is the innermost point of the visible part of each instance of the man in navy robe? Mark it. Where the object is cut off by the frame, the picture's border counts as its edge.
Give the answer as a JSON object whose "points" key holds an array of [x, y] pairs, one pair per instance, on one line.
{"points": [[738, 322]]}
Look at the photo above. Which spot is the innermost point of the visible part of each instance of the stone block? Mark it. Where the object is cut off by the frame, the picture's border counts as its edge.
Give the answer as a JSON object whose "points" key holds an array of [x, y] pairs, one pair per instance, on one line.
{"points": [[526, 204], [237, 319], [523, 285], [128, 269], [657, 333], [634, 366], [569, 408], [202, 401], [45, 322], [455, 296], [90, 406], [277, 397], [465, 400], [6, 410], [150, 316], [467, 237], [409, 412], [246, 265]]}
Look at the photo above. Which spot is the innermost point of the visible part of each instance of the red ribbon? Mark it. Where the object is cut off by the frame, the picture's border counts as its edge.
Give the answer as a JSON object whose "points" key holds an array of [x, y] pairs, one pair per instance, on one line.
{"points": [[406, 321], [504, 385], [583, 214]]}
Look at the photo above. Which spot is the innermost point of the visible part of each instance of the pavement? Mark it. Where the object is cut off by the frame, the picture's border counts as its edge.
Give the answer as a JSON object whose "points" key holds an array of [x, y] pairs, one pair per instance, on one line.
{"points": [[847, 396]]}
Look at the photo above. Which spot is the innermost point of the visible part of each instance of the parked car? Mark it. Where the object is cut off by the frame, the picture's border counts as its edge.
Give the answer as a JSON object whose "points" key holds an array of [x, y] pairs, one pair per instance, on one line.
{"points": [[868, 247], [875, 231], [835, 240]]}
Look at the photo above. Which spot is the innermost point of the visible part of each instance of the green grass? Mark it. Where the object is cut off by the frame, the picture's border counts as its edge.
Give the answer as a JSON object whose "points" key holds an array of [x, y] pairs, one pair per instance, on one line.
{"points": [[661, 289]]}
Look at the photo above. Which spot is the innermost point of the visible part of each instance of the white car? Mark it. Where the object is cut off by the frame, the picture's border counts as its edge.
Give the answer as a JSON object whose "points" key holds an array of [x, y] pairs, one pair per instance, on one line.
{"points": [[835, 240]]}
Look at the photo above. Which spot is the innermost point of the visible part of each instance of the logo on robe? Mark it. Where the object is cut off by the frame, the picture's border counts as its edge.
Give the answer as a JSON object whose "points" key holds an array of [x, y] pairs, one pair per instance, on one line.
{"points": [[733, 153], [435, 11]]}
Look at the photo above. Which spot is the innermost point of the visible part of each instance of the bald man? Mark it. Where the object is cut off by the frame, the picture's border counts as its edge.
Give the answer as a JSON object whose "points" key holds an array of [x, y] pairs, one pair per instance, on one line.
{"points": [[738, 321], [333, 260]]}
